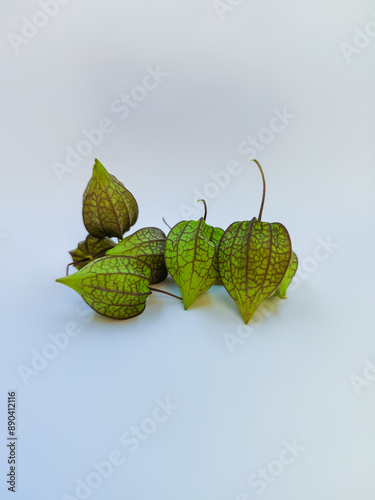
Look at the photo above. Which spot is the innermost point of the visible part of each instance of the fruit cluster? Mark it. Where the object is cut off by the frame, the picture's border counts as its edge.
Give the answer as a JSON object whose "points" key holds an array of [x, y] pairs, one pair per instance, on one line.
{"points": [[252, 259]]}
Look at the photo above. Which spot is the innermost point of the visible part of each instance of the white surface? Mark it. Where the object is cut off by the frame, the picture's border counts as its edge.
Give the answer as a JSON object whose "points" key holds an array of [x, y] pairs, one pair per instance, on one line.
{"points": [[291, 378]]}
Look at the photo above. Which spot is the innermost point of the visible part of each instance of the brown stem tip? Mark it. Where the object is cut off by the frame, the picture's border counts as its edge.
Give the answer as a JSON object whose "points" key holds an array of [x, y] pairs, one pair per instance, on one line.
{"points": [[74, 263], [166, 293], [264, 190], [205, 209], [166, 223]]}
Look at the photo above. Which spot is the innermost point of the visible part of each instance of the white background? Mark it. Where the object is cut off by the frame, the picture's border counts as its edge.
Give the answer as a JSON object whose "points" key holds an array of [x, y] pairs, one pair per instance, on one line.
{"points": [[292, 377]]}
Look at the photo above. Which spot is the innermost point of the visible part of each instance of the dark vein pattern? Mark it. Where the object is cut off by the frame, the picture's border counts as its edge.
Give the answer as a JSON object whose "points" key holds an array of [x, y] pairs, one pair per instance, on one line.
{"points": [[292, 269], [216, 238], [109, 209], [90, 249], [116, 287], [191, 257], [148, 245], [253, 260]]}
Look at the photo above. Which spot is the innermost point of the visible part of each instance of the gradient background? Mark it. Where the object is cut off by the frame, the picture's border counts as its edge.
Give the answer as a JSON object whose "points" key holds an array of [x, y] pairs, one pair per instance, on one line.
{"points": [[292, 378]]}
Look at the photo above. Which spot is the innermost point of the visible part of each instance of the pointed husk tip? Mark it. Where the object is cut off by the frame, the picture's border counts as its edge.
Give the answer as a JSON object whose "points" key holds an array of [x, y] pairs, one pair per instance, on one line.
{"points": [[99, 168], [62, 280]]}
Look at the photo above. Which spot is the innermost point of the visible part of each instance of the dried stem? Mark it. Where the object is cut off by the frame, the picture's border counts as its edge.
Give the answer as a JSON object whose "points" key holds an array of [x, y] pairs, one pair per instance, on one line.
{"points": [[166, 223], [73, 264], [166, 293], [205, 209], [264, 190]]}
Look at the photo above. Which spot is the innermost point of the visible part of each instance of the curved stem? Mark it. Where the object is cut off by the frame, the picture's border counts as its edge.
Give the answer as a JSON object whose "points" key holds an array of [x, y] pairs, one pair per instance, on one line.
{"points": [[73, 263], [264, 190], [166, 223], [166, 293], [205, 209], [96, 256]]}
